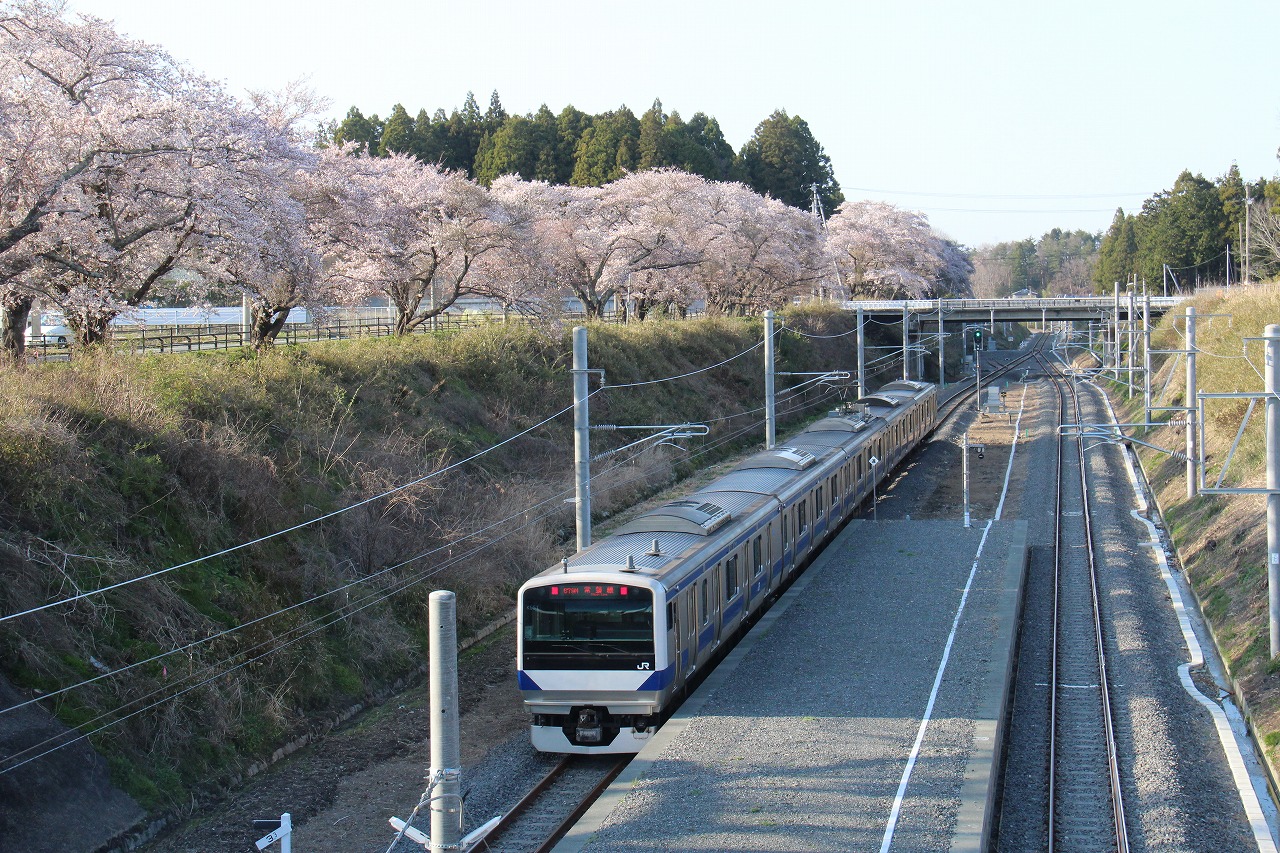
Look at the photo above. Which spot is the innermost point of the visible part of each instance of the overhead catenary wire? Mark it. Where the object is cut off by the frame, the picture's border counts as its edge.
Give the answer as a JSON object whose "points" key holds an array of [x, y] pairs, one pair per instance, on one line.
{"points": [[554, 498], [292, 529], [364, 502], [225, 667], [377, 595]]}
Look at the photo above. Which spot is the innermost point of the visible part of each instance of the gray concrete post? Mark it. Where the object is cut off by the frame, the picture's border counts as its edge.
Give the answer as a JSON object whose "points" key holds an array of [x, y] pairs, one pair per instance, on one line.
{"points": [[1132, 326], [862, 356], [906, 343], [942, 346], [1192, 404], [1115, 337], [446, 800], [1146, 355], [770, 398], [1272, 387], [581, 439]]}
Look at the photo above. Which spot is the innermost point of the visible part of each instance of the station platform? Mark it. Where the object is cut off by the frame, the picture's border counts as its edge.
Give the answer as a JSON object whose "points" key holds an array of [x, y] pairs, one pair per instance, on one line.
{"points": [[863, 711]]}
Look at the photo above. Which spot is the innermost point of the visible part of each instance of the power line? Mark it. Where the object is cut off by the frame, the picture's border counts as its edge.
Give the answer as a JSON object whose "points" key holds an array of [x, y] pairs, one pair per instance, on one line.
{"points": [[1015, 197]]}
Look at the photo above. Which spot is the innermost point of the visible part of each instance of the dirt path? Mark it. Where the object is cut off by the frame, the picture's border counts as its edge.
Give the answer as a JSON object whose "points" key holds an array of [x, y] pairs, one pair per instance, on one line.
{"points": [[341, 790]]}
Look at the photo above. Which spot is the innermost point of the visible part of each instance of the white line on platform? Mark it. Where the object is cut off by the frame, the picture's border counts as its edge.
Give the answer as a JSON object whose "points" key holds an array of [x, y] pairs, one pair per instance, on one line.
{"points": [[933, 697]]}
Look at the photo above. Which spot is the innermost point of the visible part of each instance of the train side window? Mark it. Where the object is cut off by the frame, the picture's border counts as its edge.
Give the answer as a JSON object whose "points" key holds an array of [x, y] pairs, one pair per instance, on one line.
{"points": [[786, 531], [730, 577], [802, 522], [671, 615], [818, 506], [706, 614], [757, 558]]}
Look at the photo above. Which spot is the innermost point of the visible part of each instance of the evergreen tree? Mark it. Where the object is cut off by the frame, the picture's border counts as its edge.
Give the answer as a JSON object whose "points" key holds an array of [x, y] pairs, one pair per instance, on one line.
{"points": [[571, 125], [701, 148], [546, 143], [1118, 254], [607, 150], [364, 132], [782, 159], [1184, 228], [511, 150], [495, 115], [397, 135], [654, 148]]}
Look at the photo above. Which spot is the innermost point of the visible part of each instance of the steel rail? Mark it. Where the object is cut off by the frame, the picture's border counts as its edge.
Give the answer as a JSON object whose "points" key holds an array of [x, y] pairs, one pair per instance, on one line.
{"points": [[1108, 727], [546, 784]]}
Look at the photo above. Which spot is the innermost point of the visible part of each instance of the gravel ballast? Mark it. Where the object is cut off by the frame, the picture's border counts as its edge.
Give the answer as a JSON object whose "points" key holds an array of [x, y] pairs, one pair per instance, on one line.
{"points": [[799, 739]]}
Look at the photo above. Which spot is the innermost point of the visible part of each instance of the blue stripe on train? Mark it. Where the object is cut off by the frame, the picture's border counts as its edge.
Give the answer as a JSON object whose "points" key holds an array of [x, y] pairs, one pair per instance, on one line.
{"points": [[525, 682]]}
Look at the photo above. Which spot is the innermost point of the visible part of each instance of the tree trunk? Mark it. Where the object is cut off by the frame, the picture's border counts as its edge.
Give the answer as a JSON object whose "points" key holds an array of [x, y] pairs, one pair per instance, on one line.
{"points": [[265, 325], [13, 328], [90, 331]]}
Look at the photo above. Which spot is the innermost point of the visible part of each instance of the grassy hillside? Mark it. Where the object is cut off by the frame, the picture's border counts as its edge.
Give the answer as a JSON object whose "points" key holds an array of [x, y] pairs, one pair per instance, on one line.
{"points": [[1222, 539], [112, 468]]}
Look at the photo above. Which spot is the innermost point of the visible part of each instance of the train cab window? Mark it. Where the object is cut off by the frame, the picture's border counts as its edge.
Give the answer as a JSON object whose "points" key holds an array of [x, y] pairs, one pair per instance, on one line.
{"points": [[757, 557], [587, 626], [731, 577], [706, 611], [818, 506]]}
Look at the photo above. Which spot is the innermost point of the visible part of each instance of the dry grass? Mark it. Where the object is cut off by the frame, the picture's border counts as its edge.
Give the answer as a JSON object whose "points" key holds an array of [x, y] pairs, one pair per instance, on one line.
{"points": [[1222, 539], [113, 467]]}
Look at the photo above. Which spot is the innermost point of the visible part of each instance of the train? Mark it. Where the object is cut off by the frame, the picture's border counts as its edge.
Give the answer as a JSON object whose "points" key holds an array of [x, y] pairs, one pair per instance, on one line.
{"points": [[609, 639]]}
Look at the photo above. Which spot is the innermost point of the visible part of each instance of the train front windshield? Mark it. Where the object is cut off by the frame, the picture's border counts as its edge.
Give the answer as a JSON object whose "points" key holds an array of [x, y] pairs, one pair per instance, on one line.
{"points": [[588, 626]]}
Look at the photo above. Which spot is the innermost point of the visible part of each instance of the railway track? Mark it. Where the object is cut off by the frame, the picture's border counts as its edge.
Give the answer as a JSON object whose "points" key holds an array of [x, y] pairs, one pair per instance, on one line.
{"points": [[553, 806], [1085, 806], [563, 795]]}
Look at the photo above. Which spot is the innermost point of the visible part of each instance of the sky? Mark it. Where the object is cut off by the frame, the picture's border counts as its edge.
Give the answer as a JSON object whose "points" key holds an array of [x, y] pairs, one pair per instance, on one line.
{"points": [[998, 119]]}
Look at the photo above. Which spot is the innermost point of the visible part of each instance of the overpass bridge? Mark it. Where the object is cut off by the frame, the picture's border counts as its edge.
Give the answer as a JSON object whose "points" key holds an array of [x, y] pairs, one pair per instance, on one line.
{"points": [[1070, 308]]}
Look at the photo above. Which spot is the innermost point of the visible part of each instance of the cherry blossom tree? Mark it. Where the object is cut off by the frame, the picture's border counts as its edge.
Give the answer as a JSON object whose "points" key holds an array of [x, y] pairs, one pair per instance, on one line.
{"points": [[763, 253], [123, 167], [886, 252], [411, 230], [589, 240]]}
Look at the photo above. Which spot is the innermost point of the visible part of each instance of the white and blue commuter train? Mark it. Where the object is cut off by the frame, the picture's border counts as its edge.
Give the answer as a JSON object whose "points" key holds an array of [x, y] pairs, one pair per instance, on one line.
{"points": [[606, 640]]}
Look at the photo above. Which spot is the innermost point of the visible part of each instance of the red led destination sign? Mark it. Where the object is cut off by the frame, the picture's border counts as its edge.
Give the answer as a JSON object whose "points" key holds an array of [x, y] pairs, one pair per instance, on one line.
{"points": [[589, 591]]}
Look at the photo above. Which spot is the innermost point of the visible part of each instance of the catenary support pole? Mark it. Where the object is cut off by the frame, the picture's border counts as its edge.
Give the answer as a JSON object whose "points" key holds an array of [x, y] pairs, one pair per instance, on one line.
{"points": [[906, 343], [770, 399], [1272, 387], [964, 453], [942, 346], [1132, 326], [1115, 336], [862, 354], [1146, 352], [1192, 404], [581, 439], [446, 799]]}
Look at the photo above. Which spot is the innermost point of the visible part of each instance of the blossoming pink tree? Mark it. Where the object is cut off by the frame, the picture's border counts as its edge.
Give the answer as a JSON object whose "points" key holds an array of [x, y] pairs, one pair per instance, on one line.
{"points": [[763, 253], [417, 233], [127, 167], [886, 252], [588, 240]]}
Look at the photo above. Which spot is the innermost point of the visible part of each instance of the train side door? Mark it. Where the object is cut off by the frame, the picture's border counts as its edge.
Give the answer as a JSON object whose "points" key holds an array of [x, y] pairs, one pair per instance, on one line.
{"points": [[717, 600], [691, 625], [675, 639]]}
